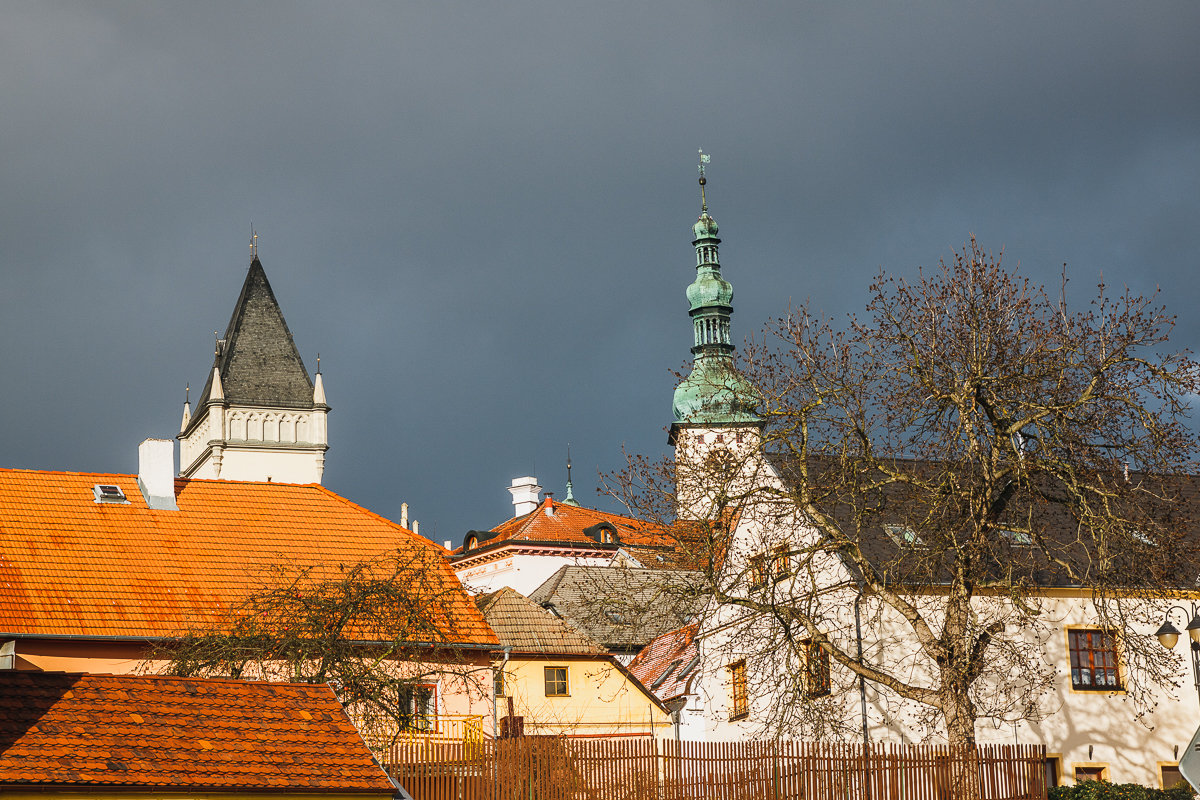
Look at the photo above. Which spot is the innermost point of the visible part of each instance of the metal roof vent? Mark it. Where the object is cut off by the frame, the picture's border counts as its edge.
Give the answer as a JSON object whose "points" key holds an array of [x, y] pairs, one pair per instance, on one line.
{"points": [[109, 493]]}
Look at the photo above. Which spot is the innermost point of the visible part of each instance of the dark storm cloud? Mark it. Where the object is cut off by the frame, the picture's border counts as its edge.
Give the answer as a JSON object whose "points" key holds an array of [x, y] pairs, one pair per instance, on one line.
{"points": [[480, 215]]}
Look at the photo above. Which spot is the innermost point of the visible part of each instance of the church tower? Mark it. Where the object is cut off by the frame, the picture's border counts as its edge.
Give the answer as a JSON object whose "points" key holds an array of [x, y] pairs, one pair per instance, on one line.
{"points": [[716, 426], [260, 416]]}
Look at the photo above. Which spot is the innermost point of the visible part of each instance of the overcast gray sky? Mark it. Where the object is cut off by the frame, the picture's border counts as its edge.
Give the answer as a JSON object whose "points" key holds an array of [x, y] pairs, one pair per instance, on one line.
{"points": [[479, 213]]}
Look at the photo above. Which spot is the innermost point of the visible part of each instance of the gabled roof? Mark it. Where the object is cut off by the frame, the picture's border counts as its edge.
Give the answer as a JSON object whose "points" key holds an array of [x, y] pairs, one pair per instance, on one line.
{"points": [[668, 663], [71, 566], [568, 525], [528, 628], [60, 730], [621, 607], [259, 364]]}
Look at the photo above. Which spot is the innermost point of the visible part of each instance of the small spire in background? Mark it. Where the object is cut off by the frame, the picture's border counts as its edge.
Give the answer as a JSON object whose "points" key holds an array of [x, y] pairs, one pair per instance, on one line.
{"points": [[704, 159], [570, 498]]}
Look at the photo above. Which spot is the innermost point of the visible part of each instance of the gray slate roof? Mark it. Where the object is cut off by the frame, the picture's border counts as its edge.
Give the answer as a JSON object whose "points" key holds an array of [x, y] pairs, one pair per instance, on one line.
{"points": [[526, 627], [259, 363], [623, 608]]}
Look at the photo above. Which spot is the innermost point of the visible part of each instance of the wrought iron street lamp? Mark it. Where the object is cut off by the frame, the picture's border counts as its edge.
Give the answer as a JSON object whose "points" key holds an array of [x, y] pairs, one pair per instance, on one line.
{"points": [[1168, 635]]}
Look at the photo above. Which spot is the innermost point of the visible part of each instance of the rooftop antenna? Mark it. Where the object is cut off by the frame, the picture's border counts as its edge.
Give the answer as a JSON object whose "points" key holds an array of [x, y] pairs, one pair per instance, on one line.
{"points": [[704, 159], [253, 243]]}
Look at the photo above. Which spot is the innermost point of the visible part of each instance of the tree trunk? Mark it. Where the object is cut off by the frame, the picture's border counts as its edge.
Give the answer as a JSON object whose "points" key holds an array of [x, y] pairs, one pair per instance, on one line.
{"points": [[959, 713]]}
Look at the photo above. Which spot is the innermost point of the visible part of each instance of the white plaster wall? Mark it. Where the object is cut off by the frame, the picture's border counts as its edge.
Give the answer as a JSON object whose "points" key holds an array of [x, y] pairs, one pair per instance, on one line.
{"points": [[522, 572]]}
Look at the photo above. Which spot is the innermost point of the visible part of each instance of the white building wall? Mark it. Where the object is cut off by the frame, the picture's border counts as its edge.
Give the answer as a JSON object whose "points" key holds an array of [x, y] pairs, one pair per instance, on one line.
{"points": [[522, 572]]}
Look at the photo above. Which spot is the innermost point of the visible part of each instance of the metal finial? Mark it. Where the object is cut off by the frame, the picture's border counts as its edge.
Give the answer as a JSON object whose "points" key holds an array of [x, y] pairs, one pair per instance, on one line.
{"points": [[704, 159], [318, 363], [187, 392], [570, 498], [216, 343], [253, 243]]}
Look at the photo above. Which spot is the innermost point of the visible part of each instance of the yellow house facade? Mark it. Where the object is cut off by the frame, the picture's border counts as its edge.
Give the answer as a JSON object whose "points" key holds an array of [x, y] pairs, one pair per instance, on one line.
{"points": [[552, 679]]}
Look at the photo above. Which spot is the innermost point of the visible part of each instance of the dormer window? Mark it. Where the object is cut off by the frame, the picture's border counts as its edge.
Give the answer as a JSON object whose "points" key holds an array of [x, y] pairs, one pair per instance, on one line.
{"points": [[606, 537], [472, 543], [109, 493]]}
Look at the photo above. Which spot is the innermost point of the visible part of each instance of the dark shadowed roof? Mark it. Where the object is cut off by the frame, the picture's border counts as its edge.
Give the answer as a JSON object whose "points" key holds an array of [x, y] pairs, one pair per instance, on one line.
{"points": [[1038, 535], [622, 607], [259, 363], [526, 627], [60, 730]]}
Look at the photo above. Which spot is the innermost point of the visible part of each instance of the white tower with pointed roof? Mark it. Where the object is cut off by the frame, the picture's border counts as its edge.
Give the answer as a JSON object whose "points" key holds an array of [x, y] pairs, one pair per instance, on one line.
{"points": [[260, 416]]}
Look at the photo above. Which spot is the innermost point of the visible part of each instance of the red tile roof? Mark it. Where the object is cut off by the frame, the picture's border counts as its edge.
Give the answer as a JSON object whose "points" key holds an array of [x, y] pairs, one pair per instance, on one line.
{"points": [[669, 654], [71, 566], [59, 729], [565, 523]]}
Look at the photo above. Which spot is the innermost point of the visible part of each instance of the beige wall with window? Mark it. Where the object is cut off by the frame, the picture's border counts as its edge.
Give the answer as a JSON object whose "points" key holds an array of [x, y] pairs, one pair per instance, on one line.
{"points": [[581, 696]]}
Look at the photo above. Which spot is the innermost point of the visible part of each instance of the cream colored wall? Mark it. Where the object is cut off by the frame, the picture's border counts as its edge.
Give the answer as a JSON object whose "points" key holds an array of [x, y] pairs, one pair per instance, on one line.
{"points": [[254, 444], [603, 702]]}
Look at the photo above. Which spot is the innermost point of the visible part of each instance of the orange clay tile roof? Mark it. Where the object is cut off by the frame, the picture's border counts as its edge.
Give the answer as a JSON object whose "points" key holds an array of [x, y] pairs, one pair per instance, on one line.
{"points": [[672, 653], [526, 627], [70, 566], [565, 523], [60, 729]]}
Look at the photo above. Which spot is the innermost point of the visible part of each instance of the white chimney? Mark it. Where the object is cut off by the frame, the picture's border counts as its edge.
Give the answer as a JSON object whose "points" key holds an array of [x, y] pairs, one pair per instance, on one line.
{"points": [[404, 515], [156, 473], [525, 494]]}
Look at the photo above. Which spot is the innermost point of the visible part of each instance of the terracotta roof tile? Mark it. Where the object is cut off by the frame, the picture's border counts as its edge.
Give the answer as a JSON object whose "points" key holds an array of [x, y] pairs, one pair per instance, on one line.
{"points": [[566, 523], [669, 661], [72, 566], [62, 729]]}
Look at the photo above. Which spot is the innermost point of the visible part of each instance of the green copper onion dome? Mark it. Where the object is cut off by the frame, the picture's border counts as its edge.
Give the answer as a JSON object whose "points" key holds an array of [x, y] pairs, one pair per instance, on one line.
{"points": [[714, 393]]}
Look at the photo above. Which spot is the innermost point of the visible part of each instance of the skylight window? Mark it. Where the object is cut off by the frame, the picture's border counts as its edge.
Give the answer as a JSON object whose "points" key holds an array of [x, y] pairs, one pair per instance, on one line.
{"points": [[903, 535], [1019, 538], [108, 493], [688, 667], [666, 674]]}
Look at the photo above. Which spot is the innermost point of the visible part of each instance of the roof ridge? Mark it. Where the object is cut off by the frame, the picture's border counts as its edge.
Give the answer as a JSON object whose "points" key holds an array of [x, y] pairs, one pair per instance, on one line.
{"points": [[160, 677]]}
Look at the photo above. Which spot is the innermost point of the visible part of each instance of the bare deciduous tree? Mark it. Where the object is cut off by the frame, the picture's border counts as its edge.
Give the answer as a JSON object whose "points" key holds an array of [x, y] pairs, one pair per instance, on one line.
{"points": [[376, 631], [969, 443]]}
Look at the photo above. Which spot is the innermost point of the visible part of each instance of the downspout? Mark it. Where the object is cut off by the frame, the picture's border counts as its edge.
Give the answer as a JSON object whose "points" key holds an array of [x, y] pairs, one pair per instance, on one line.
{"points": [[862, 682], [495, 714]]}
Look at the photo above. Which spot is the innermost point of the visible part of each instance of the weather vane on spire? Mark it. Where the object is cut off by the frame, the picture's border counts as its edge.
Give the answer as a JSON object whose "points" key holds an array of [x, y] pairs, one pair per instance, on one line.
{"points": [[253, 243], [704, 159]]}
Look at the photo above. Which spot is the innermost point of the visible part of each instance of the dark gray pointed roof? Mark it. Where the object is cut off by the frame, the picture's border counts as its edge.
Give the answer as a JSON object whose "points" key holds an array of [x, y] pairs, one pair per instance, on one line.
{"points": [[259, 363]]}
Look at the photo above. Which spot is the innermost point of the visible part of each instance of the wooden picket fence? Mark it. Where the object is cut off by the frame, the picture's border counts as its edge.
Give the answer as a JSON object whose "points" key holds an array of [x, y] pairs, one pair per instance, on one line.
{"points": [[558, 768]]}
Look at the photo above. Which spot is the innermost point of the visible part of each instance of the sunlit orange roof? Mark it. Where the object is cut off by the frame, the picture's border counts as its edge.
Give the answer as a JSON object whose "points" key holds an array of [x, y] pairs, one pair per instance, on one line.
{"points": [[565, 523], [667, 664], [60, 730], [71, 566]]}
